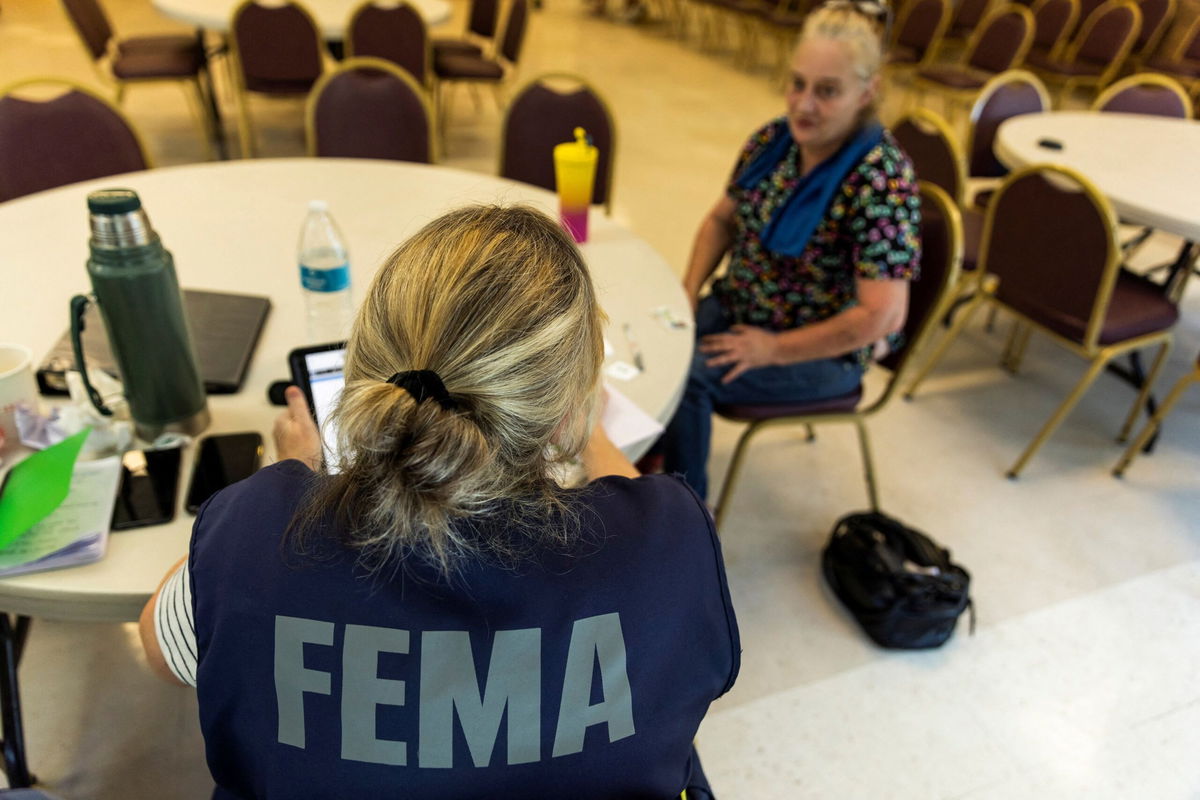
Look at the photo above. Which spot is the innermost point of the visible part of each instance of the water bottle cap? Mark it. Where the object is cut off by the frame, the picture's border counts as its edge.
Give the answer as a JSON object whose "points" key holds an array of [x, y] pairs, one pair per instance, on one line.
{"points": [[113, 201], [318, 205]]}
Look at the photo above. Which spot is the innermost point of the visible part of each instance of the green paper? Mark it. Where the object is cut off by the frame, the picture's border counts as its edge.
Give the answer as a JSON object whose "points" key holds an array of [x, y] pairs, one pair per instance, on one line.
{"points": [[37, 486]]}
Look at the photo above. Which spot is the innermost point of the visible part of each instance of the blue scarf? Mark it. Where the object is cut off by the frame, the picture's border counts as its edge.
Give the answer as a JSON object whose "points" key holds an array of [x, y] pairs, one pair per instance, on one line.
{"points": [[793, 223]]}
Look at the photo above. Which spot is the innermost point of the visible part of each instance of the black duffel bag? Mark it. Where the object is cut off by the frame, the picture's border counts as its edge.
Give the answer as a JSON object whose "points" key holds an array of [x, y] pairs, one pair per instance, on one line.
{"points": [[898, 583]]}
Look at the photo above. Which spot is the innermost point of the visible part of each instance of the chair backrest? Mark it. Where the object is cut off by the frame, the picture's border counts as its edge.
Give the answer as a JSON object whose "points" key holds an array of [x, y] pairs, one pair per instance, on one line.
{"points": [[395, 33], [929, 142], [514, 30], [1003, 40], [74, 136], [1156, 17], [921, 24], [1051, 238], [1007, 95], [1053, 21], [1188, 48], [277, 49], [541, 116], [1146, 93], [929, 296], [91, 23], [967, 15], [1107, 35], [482, 18], [1086, 9], [370, 108]]}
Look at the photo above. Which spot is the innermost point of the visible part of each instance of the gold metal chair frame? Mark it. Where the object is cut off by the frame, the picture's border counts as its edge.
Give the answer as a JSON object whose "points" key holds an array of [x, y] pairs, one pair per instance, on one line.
{"points": [[1065, 86], [1156, 38], [69, 85], [981, 99], [367, 62], [612, 124], [1091, 350], [430, 77], [441, 98], [1155, 422], [1064, 35], [903, 73], [858, 417], [965, 41], [926, 119], [237, 80], [1190, 82], [197, 102], [960, 98], [1145, 79]]}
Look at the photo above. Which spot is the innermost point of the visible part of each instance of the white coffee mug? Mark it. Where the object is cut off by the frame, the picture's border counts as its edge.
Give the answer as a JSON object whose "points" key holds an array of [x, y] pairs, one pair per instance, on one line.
{"points": [[17, 386]]}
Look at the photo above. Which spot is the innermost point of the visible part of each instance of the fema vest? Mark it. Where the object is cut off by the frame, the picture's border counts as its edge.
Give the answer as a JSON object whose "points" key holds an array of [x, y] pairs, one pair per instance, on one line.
{"points": [[582, 676]]}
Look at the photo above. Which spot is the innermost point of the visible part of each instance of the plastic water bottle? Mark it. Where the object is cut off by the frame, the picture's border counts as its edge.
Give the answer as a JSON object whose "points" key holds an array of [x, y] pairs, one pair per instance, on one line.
{"points": [[325, 277]]}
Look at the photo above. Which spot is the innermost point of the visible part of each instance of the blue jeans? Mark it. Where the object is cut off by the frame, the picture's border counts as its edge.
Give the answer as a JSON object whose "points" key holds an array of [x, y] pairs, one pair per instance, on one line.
{"points": [[686, 442]]}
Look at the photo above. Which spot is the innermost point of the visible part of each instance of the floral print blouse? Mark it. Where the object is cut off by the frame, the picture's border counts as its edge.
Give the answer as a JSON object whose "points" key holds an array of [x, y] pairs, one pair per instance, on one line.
{"points": [[870, 231]]}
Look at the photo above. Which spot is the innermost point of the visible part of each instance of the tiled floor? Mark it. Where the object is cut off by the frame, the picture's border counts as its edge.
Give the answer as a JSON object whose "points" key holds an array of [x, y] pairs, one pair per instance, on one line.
{"points": [[1082, 677]]}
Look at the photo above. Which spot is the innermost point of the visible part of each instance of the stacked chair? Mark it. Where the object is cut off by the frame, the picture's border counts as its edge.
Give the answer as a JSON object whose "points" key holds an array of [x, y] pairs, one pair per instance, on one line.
{"points": [[1050, 240], [75, 136], [1098, 51], [929, 298], [1183, 62], [1053, 22], [452, 67], [143, 59], [998, 45], [917, 37], [275, 50]]}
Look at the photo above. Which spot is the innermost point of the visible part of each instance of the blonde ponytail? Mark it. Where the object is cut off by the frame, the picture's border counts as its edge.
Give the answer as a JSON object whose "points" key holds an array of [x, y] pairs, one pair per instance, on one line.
{"points": [[499, 304]]}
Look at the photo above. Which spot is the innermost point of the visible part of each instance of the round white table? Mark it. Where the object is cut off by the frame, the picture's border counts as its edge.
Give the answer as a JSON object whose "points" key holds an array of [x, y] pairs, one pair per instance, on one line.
{"points": [[1146, 166], [233, 226], [331, 15]]}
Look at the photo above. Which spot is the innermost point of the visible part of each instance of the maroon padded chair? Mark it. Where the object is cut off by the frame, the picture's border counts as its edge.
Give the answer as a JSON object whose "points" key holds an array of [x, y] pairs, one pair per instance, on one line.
{"points": [[481, 24], [968, 15], [929, 143], [540, 117], [1157, 16], [1052, 245], [1146, 93], [928, 298], [370, 108], [277, 50], [1183, 62], [461, 66], [1000, 45], [1008, 95], [1053, 22], [917, 32], [394, 33], [150, 58], [1098, 52], [73, 137]]}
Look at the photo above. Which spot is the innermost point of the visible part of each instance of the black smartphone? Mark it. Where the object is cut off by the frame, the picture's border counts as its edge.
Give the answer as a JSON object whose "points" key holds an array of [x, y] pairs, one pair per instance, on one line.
{"points": [[148, 490], [221, 460]]}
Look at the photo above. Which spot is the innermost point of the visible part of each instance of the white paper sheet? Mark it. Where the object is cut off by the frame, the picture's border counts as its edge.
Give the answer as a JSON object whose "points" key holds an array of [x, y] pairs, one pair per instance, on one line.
{"points": [[626, 423], [77, 531]]}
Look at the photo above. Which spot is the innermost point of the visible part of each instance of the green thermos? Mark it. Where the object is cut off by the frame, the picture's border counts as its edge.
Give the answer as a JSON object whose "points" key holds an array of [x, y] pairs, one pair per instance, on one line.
{"points": [[134, 284]]}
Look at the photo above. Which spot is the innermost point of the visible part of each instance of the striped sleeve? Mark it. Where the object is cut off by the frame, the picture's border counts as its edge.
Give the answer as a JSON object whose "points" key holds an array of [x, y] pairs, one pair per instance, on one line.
{"points": [[175, 627]]}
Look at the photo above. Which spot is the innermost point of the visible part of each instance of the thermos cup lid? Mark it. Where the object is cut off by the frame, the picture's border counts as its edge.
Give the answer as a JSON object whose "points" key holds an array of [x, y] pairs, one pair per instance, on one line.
{"points": [[113, 201]]}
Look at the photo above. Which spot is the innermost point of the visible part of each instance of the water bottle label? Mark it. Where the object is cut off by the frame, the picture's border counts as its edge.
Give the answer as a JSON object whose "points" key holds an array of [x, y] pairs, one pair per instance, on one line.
{"points": [[334, 279]]}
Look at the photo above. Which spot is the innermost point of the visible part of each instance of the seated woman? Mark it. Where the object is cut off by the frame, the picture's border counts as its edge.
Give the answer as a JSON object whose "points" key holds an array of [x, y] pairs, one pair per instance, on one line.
{"points": [[438, 618], [820, 224]]}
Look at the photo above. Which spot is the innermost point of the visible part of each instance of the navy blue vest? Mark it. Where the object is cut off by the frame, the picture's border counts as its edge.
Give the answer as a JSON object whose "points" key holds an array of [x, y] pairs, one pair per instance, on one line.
{"points": [[582, 677]]}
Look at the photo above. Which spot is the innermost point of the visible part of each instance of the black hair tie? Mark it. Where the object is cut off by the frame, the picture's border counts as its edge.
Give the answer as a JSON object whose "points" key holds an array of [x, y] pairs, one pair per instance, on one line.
{"points": [[423, 384]]}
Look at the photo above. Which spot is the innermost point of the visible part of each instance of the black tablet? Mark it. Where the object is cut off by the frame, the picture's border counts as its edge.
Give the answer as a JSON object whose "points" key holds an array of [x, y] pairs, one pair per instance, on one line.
{"points": [[317, 370]]}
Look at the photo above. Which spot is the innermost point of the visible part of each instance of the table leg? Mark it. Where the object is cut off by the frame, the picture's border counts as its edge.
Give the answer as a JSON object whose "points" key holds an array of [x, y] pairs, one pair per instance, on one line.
{"points": [[12, 642]]}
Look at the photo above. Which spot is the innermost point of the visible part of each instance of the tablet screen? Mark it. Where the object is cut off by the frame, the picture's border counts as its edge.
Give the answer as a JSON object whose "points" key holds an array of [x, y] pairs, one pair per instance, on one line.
{"points": [[325, 381]]}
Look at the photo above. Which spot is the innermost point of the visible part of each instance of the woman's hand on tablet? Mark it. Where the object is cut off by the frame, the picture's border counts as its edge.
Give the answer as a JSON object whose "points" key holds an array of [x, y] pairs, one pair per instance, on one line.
{"points": [[296, 434]]}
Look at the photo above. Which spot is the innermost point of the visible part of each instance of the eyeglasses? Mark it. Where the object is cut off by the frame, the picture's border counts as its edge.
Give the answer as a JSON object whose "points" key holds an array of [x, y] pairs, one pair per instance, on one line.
{"points": [[875, 10]]}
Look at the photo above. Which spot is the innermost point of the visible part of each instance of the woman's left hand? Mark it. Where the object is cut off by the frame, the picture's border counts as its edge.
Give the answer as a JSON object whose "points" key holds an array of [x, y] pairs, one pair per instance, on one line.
{"points": [[744, 347]]}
